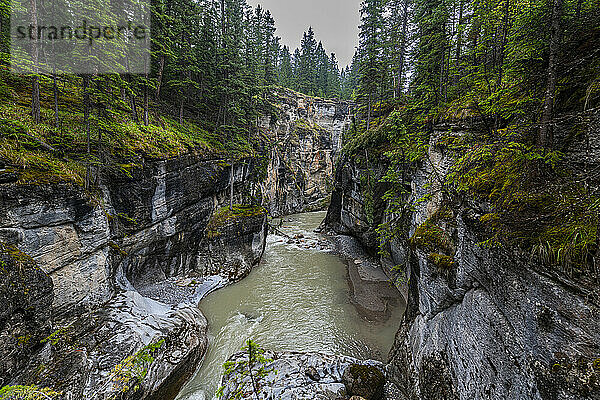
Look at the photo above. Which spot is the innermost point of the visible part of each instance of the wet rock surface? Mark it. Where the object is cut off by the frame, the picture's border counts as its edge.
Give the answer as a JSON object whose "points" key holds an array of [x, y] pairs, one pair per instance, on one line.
{"points": [[126, 268], [372, 290], [303, 376], [25, 302], [94, 355], [491, 324], [305, 141], [124, 273]]}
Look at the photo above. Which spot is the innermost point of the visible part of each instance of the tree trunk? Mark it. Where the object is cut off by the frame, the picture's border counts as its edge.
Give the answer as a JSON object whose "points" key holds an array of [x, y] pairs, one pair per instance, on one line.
{"points": [[86, 122], [181, 101], [503, 44], [161, 67], [546, 135], [146, 105], [403, 44], [55, 90], [369, 112], [35, 80], [132, 101], [458, 74], [250, 365], [232, 181]]}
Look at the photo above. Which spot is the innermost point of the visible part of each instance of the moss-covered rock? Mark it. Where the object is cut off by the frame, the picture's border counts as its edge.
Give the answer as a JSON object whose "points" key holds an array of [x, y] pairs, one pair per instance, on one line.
{"points": [[441, 261], [564, 377], [226, 216], [26, 295], [430, 236], [365, 381]]}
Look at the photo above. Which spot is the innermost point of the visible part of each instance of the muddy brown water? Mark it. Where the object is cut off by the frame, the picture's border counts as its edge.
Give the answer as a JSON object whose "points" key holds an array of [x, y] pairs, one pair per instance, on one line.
{"points": [[297, 299]]}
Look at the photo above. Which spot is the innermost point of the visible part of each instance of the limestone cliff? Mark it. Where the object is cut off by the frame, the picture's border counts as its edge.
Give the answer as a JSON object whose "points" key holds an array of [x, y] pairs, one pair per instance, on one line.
{"points": [[137, 234], [492, 323], [303, 142], [115, 275]]}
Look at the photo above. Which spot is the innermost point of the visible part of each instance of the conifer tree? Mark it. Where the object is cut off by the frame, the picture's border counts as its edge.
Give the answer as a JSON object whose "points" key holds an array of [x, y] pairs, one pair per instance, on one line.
{"points": [[370, 55], [286, 73]]}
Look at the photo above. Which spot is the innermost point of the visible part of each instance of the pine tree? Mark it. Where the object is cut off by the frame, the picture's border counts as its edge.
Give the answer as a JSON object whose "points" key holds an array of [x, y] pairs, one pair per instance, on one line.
{"points": [[370, 56], [286, 73], [430, 53], [334, 87], [307, 64]]}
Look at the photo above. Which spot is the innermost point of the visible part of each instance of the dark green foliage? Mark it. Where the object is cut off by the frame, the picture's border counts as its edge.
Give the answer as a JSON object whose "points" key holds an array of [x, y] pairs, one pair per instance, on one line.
{"points": [[537, 201], [365, 381], [310, 70], [429, 236], [512, 68], [128, 374], [27, 393], [247, 373], [225, 215], [441, 261]]}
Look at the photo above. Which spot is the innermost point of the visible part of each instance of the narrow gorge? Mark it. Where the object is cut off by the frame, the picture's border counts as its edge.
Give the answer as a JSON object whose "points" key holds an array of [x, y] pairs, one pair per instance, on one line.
{"points": [[404, 207], [92, 280]]}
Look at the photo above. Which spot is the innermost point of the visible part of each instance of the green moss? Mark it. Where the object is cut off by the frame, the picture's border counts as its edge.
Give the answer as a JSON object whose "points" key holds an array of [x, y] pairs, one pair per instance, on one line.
{"points": [[117, 248], [367, 373], [225, 216], [127, 219], [27, 393], [25, 145], [367, 381], [55, 337], [444, 213], [441, 261], [429, 236], [128, 374], [20, 258], [23, 340], [538, 203], [303, 124]]}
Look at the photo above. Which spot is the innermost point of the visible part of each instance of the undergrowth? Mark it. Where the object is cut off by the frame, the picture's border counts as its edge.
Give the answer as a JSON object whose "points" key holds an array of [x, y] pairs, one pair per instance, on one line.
{"points": [[50, 152], [537, 201]]}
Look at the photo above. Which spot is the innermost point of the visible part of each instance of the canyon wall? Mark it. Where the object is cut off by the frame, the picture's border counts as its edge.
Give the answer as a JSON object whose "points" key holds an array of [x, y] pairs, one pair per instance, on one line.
{"points": [[137, 234], [493, 324], [93, 281], [303, 143]]}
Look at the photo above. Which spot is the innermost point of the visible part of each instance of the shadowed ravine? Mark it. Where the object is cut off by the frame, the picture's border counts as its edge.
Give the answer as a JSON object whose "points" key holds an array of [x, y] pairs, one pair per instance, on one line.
{"points": [[296, 300]]}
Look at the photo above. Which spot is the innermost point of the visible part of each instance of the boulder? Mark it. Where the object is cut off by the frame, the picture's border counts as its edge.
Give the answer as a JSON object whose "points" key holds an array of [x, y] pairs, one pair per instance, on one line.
{"points": [[365, 381]]}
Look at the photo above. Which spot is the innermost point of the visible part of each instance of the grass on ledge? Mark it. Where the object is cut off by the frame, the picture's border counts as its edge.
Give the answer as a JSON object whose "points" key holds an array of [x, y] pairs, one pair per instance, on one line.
{"points": [[224, 216], [44, 153]]}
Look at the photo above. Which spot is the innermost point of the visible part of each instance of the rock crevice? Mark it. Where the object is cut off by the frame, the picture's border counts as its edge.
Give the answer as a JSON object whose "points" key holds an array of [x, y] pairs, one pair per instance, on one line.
{"points": [[480, 323]]}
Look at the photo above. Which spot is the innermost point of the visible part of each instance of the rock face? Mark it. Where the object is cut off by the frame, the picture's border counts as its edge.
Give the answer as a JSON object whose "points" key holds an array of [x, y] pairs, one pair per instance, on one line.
{"points": [[491, 324], [136, 236], [25, 302], [303, 144], [121, 270], [303, 376]]}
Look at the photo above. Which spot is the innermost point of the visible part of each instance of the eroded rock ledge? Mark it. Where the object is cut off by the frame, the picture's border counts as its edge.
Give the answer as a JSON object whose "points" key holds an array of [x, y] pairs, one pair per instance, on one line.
{"points": [[299, 376], [484, 323], [115, 276], [139, 234]]}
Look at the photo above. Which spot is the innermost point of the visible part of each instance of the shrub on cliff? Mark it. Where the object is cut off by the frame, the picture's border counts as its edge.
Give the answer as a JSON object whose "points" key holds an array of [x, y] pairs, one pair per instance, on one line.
{"points": [[246, 374], [27, 393]]}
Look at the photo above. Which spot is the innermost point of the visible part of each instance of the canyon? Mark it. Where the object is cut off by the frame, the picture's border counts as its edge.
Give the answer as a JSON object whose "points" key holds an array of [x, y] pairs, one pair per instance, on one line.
{"points": [[93, 282]]}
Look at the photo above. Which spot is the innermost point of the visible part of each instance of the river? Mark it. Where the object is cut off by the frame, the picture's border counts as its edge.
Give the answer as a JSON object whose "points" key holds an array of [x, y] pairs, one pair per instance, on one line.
{"points": [[297, 299]]}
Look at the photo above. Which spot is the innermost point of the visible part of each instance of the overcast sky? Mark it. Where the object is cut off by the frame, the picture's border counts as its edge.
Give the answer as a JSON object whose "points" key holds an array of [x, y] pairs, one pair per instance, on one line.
{"points": [[335, 23]]}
